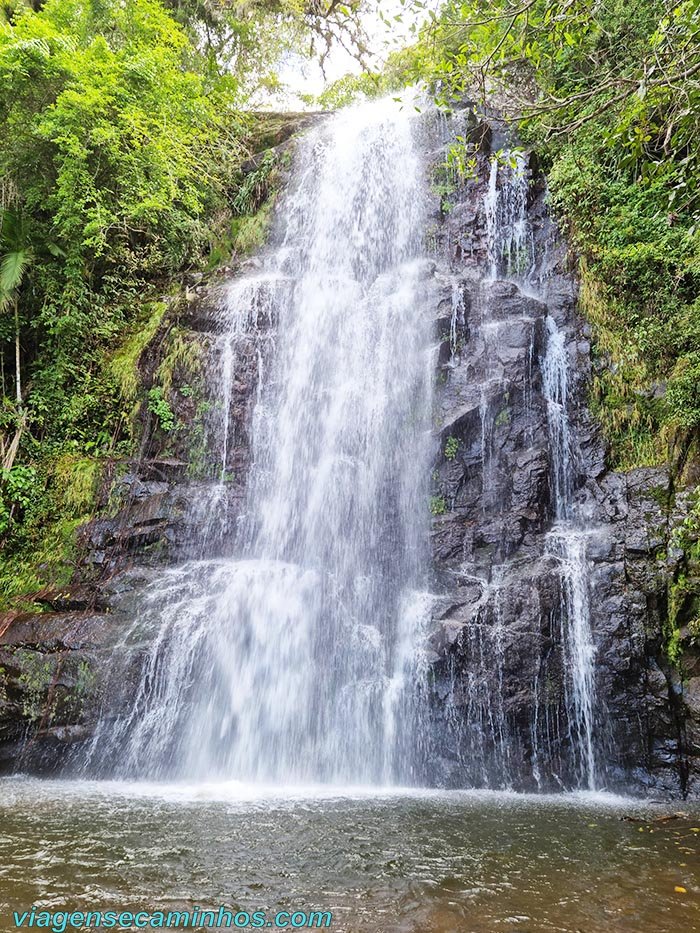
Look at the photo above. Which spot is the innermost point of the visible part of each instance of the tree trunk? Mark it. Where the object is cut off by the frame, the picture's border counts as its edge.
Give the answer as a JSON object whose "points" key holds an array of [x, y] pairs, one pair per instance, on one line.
{"points": [[18, 371], [11, 452]]}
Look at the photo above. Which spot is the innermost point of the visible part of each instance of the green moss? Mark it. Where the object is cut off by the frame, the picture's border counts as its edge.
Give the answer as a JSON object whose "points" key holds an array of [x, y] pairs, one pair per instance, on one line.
{"points": [[272, 129], [63, 498], [182, 358], [198, 466], [438, 505], [694, 631], [78, 479], [619, 389], [78, 697], [249, 233], [661, 495], [672, 627], [48, 562], [639, 279], [36, 675], [684, 589], [123, 364]]}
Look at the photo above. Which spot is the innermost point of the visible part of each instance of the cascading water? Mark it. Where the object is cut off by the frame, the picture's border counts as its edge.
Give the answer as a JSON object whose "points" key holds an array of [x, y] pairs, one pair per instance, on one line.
{"points": [[511, 255], [298, 658], [509, 237], [303, 645], [568, 542], [513, 643]]}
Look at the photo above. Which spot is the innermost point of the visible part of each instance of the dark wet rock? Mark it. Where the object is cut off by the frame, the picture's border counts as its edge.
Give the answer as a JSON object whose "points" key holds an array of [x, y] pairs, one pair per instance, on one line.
{"points": [[506, 622], [51, 664]]}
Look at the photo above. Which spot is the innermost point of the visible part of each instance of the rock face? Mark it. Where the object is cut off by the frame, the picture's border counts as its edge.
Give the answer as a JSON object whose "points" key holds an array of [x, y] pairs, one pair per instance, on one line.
{"points": [[161, 509], [48, 665], [502, 708]]}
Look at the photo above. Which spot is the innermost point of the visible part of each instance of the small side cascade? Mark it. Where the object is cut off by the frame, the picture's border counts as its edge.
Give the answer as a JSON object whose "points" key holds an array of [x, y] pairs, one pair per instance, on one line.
{"points": [[511, 255], [509, 237], [568, 542], [457, 320], [243, 340], [249, 305], [515, 647]]}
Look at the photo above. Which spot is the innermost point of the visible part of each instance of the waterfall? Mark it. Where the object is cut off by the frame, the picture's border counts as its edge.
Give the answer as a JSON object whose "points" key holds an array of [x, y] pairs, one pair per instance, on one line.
{"points": [[311, 638], [509, 237], [568, 542], [296, 656], [511, 255]]}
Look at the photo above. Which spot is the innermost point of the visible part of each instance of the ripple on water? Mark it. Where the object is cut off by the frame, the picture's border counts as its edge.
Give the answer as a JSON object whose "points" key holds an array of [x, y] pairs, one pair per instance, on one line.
{"points": [[382, 860]]}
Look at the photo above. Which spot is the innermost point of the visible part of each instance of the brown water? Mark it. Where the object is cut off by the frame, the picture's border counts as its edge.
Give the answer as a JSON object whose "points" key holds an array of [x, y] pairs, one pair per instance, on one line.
{"points": [[434, 862]]}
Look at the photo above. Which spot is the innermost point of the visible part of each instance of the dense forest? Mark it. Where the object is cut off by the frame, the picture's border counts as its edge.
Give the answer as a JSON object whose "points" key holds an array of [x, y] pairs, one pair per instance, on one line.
{"points": [[127, 131]]}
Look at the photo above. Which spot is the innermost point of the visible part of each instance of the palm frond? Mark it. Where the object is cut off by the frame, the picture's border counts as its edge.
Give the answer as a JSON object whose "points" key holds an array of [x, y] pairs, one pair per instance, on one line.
{"points": [[12, 268]]}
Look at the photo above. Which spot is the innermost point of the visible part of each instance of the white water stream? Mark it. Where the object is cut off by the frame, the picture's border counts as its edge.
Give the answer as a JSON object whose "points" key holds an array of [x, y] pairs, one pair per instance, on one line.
{"points": [[300, 660], [511, 256]]}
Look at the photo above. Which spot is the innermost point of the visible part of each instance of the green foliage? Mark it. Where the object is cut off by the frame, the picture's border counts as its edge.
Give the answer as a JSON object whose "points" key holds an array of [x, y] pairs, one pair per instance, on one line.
{"points": [[182, 360], [641, 277], [403, 68], [444, 185], [250, 38], [451, 448], [461, 161], [16, 486], [52, 500], [438, 505], [16, 256], [255, 185], [116, 145], [252, 209], [122, 365], [683, 393], [78, 478], [683, 620], [245, 235], [112, 137], [349, 90], [43, 554], [46, 503], [250, 232], [159, 405]]}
